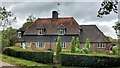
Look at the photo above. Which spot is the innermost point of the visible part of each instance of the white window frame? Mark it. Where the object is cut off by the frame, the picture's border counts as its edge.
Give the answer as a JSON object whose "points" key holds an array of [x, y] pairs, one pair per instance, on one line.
{"points": [[101, 45], [40, 44], [63, 45], [61, 31], [19, 34], [40, 32]]}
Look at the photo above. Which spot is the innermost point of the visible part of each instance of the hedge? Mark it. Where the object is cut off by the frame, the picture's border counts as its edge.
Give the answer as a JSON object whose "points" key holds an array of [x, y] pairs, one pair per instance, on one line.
{"points": [[89, 60], [41, 57]]}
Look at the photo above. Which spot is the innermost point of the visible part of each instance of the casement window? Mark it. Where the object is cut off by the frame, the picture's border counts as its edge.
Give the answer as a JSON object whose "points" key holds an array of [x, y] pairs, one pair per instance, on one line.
{"points": [[61, 31], [19, 34], [101, 45], [40, 44], [40, 31], [63, 45]]}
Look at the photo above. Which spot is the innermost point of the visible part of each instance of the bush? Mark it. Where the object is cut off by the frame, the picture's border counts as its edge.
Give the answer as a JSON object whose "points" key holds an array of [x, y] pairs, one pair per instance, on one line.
{"points": [[89, 60], [42, 57], [5, 43], [115, 50], [85, 50]]}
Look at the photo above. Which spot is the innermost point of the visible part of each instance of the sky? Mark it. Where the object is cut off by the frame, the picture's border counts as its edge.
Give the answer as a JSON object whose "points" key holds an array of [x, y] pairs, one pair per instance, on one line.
{"points": [[85, 13]]}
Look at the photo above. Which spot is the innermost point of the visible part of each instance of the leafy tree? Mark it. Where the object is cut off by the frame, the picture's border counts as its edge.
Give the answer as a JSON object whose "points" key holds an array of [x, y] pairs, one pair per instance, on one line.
{"points": [[77, 46], [9, 37], [107, 6], [85, 50], [111, 39], [30, 19], [6, 18], [87, 45], [58, 46], [118, 49], [77, 43], [8, 33], [117, 26], [5, 43], [73, 45]]}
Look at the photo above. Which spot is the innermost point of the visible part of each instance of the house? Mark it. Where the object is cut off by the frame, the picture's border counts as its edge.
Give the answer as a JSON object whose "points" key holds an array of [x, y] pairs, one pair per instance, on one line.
{"points": [[98, 41], [43, 33]]}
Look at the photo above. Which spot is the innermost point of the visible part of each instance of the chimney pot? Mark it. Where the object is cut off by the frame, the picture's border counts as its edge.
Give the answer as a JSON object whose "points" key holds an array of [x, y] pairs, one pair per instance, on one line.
{"points": [[54, 14]]}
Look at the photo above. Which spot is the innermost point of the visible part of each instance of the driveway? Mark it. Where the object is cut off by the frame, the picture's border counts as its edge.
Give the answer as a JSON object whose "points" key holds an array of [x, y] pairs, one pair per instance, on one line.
{"points": [[4, 64]]}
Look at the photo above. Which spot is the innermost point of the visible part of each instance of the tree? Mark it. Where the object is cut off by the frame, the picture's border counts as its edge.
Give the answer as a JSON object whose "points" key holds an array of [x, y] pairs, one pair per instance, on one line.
{"points": [[111, 39], [77, 43], [73, 45], [9, 37], [77, 46], [30, 19], [6, 18], [107, 6], [117, 26], [58, 46], [87, 45]]}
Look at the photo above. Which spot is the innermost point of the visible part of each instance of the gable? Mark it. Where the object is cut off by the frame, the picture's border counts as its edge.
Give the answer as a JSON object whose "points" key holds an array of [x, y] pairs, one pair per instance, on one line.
{"points": [[93, 33]]}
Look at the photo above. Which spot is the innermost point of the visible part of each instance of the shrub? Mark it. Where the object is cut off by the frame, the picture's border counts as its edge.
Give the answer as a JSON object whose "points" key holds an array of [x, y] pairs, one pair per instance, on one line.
{"points": [[115, 50], [73, 45], [42, 57], [58, 49], [58, 46], [86, 60], [85, 50], [77, 43]]}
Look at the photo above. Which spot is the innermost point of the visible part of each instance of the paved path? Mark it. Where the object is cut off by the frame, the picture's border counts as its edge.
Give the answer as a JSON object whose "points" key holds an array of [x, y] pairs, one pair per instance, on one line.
{"points": [[4, 64]]}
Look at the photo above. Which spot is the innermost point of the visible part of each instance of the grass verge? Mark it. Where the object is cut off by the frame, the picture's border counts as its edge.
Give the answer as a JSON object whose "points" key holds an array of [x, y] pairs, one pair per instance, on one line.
{"points": [[21, 62]]}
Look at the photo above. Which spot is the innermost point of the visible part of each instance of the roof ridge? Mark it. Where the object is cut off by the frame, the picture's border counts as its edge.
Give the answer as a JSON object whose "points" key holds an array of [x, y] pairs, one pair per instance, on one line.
{"points": [[57, 18]]}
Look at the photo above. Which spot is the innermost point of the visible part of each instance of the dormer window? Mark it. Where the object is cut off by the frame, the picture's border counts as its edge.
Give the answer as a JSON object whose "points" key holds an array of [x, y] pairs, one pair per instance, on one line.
{"points": [[61, 31], [19, 34], [40, 31]]}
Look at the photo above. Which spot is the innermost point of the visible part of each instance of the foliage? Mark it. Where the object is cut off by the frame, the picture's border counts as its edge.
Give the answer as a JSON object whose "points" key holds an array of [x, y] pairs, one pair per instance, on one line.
{"points": [[6, 17], [116, 50], [9, 36], [87, 45], [5, 43], [85, 50], [77, 43], [58, 49], [117, 26], [86, 60], [73, 45], [29, 21], [42, 57], [21, 62], [66, 51], [58, 46], [111, 39], [107, 6]]}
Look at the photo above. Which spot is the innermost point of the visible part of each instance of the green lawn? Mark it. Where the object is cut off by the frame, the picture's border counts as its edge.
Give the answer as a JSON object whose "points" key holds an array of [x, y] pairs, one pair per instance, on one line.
{"points": [[21, 62]]}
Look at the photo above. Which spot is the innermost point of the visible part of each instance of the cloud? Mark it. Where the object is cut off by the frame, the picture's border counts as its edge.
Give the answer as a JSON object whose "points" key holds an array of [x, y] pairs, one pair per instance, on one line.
{"points": [[83, 12]]}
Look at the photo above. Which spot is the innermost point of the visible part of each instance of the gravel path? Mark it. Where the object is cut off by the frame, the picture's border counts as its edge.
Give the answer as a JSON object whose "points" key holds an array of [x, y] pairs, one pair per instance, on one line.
{"points": [[4, 64]]}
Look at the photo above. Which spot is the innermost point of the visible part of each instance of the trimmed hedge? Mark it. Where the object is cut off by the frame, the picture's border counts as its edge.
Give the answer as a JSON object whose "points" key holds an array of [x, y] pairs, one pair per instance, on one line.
{"points": [[42, 57], [89, 60]]}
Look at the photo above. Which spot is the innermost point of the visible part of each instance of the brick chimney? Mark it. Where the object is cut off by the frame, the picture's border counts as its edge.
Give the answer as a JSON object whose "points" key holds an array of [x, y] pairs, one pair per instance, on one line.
{"points": [[54, 14]]}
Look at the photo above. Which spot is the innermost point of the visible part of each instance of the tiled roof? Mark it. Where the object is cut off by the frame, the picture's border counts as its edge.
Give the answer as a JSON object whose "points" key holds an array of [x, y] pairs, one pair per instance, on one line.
{"points": [[51, 25], [93, 33]]}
